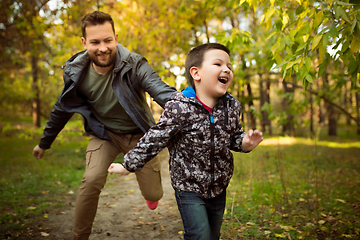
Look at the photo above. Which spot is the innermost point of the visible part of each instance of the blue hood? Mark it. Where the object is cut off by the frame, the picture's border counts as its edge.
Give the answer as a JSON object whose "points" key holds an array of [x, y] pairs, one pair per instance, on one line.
{"points": [[189, 92]]}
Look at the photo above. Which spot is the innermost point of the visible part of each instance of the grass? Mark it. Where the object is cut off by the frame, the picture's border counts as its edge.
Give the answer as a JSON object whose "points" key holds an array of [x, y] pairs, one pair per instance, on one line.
{"points": [[295, 188], [30, 188], [288, 188]]}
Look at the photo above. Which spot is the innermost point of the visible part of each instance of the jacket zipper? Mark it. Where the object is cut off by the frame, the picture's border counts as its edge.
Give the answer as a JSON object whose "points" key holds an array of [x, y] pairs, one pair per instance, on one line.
{"points": [[212, 150]]}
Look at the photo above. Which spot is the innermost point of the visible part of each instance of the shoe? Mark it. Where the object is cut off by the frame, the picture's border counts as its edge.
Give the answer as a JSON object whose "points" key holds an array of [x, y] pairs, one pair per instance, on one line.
{"points": [[151, 205]]}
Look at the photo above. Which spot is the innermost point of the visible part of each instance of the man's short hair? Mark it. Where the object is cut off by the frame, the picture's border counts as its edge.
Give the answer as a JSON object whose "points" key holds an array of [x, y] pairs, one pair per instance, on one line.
{"points": [[195, 58], [95, 18]]}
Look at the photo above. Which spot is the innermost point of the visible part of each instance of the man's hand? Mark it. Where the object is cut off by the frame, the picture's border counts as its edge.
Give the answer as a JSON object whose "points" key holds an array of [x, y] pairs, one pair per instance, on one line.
{"points": [[252, 139], [118, 168], [38, 152]]}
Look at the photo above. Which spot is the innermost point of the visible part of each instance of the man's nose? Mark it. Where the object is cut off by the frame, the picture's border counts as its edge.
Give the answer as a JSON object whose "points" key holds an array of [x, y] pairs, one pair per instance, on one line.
{"points": [[103, 47]]}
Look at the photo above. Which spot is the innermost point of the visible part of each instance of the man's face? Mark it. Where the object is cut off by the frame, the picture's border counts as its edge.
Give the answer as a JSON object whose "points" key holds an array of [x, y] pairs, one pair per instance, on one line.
{"points": [[101, 44]]}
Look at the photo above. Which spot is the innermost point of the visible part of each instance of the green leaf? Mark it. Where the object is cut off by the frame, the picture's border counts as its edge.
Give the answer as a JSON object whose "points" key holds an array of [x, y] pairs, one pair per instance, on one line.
{"points": [[287, 41], [308, 63], [353, 25], [318, 19], [353, 66], [340, 12], [344, 3], [316, 41], [309, 78]]}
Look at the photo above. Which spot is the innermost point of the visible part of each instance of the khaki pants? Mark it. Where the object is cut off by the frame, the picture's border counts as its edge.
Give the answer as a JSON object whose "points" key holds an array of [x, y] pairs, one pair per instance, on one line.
{"points": [[99, 155]]}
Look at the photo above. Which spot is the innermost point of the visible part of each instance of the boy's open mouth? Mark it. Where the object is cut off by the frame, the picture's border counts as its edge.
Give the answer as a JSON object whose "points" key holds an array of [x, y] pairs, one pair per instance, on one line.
{"points": [[223, 80]]}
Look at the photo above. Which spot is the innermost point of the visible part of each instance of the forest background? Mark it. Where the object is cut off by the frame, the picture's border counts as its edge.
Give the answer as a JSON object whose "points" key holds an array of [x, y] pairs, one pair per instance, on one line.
{"points": [[296, 63], [296, 68]]}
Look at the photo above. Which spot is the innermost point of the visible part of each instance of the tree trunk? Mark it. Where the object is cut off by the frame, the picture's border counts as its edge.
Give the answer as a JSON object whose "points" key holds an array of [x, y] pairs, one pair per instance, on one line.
{"points": [[262, 102], [357, 98], [36, 100], [330, 111], [265, 98], [250, 114], [287, 127], [311, 113]]}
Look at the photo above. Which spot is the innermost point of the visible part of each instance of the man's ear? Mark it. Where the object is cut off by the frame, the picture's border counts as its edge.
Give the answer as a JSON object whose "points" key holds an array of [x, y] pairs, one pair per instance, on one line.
{"points": [[194, 71], [83, 40]]}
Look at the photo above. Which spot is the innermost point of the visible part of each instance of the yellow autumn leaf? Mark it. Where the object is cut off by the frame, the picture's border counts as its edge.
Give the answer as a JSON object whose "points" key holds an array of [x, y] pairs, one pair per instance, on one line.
{"points": [[44, 234], [280, 235]]}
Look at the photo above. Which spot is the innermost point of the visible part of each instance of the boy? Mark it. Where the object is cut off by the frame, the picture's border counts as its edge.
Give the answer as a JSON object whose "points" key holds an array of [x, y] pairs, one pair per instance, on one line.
{"points": [[199, 126]]}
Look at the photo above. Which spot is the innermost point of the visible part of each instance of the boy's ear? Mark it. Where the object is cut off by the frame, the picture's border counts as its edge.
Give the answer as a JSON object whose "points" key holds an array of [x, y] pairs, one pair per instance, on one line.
{"points": [[194, 71]]}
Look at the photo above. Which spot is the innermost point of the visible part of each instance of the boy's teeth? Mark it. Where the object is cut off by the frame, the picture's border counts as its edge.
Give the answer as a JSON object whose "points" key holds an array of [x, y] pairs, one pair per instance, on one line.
{"points": [[223, 80]]}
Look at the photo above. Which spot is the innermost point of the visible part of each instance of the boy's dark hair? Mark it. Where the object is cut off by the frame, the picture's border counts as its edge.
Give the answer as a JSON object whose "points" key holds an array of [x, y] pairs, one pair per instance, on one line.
{"points": [[95, 18], [195, 58]]}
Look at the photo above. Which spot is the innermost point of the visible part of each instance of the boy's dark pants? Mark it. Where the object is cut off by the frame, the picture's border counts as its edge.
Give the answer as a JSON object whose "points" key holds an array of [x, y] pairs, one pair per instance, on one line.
{"points": [[202, 218], [99, 155]]}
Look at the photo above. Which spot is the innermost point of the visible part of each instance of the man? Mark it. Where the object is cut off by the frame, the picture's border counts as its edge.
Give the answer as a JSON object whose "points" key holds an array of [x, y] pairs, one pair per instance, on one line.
{"points": [[106, 84]]}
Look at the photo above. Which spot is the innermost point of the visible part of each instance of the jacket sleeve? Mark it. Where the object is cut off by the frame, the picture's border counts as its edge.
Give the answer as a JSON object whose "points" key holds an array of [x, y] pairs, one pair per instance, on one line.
{"points": [[238, 136], [57, 120], [152, 83], [154, 140]]}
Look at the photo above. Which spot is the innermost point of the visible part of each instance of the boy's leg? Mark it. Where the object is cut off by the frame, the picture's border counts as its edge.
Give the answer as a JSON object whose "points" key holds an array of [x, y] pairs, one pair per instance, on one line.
{"points": [[215, 210], [194, 215], [99, 155], [149, 177]]}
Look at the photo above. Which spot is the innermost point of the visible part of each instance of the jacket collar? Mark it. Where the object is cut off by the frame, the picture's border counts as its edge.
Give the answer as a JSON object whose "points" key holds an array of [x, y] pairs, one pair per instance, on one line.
{"points": [[189, 92]]}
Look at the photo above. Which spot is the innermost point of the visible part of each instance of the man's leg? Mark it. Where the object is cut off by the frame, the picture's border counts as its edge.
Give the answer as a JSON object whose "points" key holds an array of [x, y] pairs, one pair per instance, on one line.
{"points": [[99, 155], [149, 177]]}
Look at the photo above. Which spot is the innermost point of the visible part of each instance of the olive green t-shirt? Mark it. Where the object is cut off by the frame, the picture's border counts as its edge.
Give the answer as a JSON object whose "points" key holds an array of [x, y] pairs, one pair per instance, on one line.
{"points": [[104, 104]]}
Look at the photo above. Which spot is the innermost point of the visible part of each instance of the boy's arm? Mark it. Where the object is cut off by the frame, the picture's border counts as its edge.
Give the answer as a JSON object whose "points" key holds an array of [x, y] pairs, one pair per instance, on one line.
{"points": [[118, 168], [154, 140], [251, 140]]}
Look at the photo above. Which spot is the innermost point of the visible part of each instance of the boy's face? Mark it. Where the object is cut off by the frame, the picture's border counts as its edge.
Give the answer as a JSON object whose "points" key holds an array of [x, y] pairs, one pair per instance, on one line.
{"points": [[101, 44], [214, 77]]}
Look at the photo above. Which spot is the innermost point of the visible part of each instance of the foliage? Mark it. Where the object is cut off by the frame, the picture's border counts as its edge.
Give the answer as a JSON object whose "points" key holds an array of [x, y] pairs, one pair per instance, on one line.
{"points": [[295, 43]]}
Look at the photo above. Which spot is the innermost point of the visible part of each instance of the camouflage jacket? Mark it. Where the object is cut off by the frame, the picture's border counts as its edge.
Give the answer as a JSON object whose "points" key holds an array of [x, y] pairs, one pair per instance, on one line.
{"points": [[199, 143]]}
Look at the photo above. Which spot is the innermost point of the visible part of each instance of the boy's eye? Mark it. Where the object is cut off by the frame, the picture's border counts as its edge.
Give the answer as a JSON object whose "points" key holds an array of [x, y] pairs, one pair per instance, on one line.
{"points": [[217, 64]]}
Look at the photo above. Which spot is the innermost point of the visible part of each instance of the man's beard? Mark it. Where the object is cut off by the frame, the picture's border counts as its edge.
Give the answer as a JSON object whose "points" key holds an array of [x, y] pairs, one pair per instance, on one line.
{"points": [[98, 63]]}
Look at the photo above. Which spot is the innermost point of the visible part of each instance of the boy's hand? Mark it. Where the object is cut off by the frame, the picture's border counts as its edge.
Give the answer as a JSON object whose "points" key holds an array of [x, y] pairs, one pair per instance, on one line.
{"points": [[118, 168], [252, 139]]}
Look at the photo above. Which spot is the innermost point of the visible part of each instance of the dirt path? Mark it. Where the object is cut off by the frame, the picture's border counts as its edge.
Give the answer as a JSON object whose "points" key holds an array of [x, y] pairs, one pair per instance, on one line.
{"points": [[123, 214]]}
